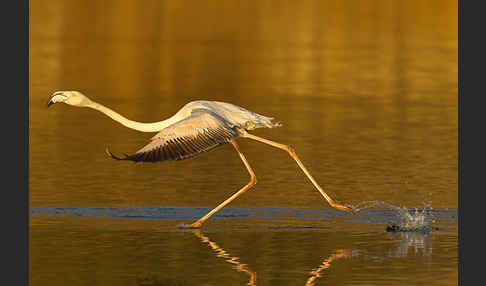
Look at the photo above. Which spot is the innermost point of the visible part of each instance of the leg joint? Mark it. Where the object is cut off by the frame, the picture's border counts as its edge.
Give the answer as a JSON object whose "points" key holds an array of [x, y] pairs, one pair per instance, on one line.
{"points": [[290, 149], [253, 180]]}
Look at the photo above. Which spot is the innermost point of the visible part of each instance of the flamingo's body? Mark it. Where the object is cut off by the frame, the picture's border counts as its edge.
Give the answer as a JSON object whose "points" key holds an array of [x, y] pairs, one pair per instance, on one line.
{"points": [[198, 127]]}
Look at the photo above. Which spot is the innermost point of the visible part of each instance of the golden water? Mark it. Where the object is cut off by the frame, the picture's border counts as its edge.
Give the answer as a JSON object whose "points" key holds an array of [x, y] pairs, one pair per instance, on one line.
{"points": [[366, 92]]}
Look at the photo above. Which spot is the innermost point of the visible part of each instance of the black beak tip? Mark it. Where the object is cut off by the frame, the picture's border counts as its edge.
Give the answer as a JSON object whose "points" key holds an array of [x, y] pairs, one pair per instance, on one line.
{"points": [[49, 103]]}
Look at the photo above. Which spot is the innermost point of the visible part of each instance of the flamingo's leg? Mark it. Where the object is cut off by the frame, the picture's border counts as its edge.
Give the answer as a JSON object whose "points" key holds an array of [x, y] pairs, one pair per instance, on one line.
{"points": [[253, 181], [292, 153]]}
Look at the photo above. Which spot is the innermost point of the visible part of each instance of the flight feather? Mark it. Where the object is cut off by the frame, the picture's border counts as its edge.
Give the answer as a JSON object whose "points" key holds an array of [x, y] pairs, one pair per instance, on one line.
{"points": [[202, 131]]}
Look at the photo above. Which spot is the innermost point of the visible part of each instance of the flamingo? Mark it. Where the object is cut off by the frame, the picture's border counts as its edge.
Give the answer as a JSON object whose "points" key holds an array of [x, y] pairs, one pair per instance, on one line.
{"points": [[198, 127]]}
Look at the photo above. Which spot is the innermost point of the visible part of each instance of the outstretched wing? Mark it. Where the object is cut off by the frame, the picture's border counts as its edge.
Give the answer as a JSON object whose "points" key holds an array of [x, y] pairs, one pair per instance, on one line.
{"points": [[202, 131]]}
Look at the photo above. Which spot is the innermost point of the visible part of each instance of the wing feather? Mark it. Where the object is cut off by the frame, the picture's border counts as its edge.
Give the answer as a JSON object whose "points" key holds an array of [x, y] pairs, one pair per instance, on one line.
{"points": [[201, 132]]}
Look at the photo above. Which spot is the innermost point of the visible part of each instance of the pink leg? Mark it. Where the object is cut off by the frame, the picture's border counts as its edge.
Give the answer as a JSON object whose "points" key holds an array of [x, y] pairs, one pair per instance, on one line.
{"points": [[292, 153], [252, 182]]}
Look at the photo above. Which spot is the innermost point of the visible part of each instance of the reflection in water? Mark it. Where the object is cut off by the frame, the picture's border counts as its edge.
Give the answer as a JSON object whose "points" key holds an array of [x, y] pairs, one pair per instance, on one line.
{"points": [[316, 273], [241, 267], [417, 240], [230, 259], [134, 251]]}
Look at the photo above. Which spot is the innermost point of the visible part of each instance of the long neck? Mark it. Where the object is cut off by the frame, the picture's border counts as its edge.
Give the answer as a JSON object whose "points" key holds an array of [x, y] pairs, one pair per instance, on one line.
{"points": [[144, 127]]}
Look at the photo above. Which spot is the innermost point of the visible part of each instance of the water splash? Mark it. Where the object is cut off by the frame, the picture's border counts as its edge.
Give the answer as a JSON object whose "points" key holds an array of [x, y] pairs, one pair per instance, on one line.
{"points": [[408, 220]]}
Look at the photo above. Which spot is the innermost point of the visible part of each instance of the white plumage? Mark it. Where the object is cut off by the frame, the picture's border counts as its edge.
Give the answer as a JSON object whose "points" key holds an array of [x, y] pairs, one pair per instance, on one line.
{"points": [[233, 114], [198, 127]]}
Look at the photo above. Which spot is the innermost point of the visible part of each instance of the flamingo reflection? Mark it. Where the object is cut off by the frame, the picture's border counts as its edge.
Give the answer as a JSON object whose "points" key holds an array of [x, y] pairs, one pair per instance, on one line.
{"points": [[241, 267], [316, 272]]}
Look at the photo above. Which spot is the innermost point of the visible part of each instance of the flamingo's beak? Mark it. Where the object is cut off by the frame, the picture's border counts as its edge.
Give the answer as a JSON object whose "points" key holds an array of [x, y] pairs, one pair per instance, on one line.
{"points": [[49, 102]]}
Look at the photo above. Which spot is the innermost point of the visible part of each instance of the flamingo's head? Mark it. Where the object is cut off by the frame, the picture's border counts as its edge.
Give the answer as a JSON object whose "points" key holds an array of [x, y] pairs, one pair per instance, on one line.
{"points": [[74, 98]]}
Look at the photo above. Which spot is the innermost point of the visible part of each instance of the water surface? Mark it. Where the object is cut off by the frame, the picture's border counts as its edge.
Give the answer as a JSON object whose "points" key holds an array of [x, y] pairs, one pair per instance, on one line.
{"points": [[366, 92], [238, 251]]}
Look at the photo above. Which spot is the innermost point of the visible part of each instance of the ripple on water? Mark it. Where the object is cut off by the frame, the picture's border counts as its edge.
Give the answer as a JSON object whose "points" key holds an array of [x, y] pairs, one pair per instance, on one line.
{"points": [[397, 218]]}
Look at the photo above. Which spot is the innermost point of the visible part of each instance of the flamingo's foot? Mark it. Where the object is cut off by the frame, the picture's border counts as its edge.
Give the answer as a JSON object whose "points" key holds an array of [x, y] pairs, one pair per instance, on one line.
{"points": [[347, 208]]}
